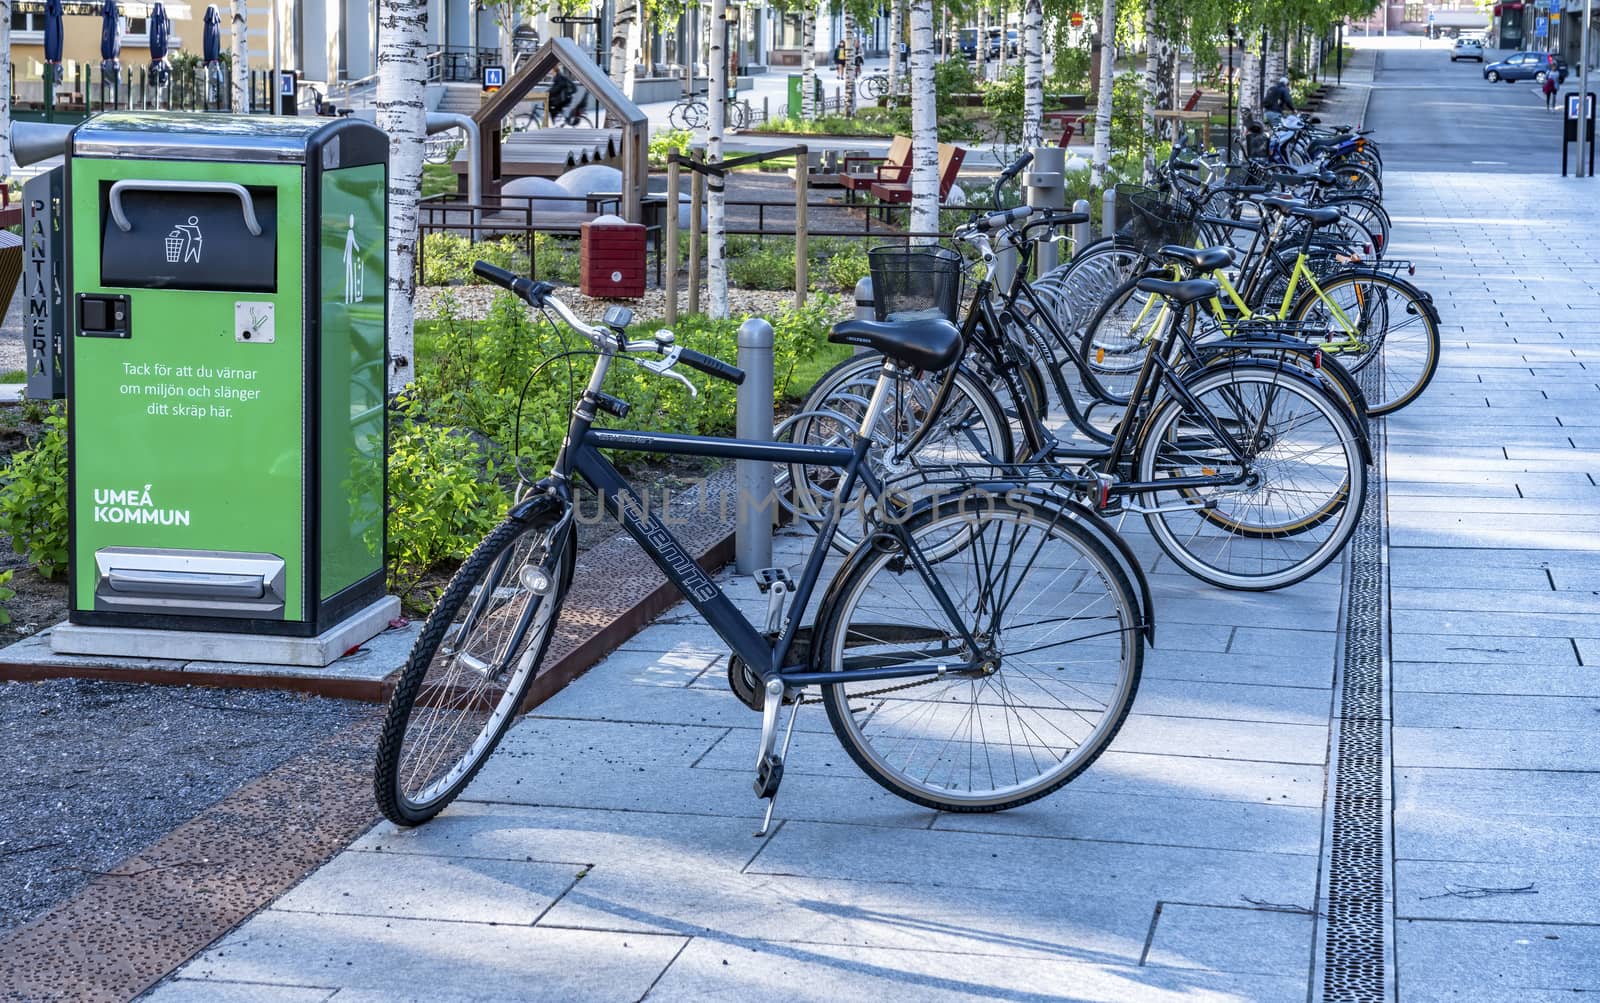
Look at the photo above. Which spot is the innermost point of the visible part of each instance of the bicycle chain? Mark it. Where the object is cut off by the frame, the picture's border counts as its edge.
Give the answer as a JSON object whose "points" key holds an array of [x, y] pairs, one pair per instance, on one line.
{"points": [[886, 689]]}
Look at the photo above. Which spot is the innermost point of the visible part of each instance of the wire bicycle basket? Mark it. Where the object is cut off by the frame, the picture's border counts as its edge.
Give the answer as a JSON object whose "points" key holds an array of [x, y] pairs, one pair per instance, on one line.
{"points": [[1154, 220], [910, 283]]}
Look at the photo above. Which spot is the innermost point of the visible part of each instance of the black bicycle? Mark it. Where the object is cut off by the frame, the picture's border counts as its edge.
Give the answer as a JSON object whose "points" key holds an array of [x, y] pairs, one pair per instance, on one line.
{"points": [[977, 651]]}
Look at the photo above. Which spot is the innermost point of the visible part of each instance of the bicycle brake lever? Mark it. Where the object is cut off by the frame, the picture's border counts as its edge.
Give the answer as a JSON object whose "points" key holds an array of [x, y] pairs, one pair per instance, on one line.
{"points": [[663, 367]]}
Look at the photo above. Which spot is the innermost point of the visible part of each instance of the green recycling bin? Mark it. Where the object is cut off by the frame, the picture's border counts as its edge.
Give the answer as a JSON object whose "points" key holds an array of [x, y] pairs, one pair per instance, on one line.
{"points": [[225, 367], [797, 93]]}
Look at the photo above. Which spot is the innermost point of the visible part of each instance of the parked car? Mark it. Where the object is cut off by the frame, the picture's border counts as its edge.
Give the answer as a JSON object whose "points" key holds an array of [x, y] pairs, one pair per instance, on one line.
{"points": [[1013, 43], [1466, 48], [1526, 66]]}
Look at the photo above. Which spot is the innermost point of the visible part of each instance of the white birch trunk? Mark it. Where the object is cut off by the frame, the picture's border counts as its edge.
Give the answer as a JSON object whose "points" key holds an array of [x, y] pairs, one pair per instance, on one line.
{"points": [[1277, 64], [5, 90], [402, 114], [624, 45], [1152, 87], [980, 48], [1032, 74], [1005, 40], [808, 61], [1249, 84], [850, 49], [896, 29], [924, 122], [1102, 110], [717, 105], [241, 58]]}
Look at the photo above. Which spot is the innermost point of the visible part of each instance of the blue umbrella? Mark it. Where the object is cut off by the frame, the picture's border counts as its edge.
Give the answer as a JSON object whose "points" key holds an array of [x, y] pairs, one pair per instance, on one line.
{"points": [[52, 33], [210, 35], [110, 32], [160, 27]]}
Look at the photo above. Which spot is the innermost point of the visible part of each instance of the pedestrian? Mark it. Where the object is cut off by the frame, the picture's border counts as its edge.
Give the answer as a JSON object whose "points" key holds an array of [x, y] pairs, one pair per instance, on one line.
{"points": [[838, 59], [1278, 101], [1549, 92]]}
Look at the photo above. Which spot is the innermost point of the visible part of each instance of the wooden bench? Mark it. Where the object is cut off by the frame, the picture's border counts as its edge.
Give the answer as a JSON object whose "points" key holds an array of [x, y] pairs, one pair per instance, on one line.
{"points": [[894, 168], [899, 193]]}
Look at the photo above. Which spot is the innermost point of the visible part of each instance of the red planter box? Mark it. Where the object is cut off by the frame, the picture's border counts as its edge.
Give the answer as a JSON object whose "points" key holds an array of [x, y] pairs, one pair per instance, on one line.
{"points": [[611, 256]]}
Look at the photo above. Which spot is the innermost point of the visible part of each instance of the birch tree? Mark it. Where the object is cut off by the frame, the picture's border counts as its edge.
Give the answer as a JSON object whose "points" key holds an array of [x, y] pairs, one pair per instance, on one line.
{"points": [[1102, 112], [624, 45], [896, 29], [850, 49], [717, 105], [924, 122], [808, 59], [402, 114], [980, 45], [1157, 86], [240, 49], [1250, 78], [5, 90], [1277, 64], [1032, 74]]}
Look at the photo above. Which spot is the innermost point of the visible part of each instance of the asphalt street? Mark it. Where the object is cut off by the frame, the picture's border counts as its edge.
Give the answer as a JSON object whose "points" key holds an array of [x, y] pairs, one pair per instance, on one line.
{"points": [[1435, 115]]}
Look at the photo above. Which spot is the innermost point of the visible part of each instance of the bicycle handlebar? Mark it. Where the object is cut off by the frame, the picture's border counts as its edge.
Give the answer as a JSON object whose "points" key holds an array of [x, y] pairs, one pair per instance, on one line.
{"points": [[541, 295]]}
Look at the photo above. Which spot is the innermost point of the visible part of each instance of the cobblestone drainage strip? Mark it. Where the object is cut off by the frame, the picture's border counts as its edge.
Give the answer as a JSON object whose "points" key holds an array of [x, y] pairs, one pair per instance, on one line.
{"points": [[1354, 959]]}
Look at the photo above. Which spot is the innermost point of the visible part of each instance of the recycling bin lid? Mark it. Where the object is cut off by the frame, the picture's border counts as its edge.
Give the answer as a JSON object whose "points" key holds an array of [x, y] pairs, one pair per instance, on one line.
{"points": [[165, 136]]}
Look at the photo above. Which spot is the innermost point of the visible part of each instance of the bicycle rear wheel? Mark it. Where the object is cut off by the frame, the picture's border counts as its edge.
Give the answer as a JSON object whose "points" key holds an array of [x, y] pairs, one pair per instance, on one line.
{"points": [[471, 667], [1303, 484], [1061, 653], [1381, 328]]}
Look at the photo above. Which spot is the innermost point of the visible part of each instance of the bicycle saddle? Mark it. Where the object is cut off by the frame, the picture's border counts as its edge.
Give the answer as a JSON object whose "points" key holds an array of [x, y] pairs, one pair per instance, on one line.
{"points": [[930, 343], [1201, 259], [1280, 204], [1182, 293], [1315, 215]]}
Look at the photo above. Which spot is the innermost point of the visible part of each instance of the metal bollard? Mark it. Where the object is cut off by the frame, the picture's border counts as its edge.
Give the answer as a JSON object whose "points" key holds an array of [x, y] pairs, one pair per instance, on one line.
{"points": [[1081, 231], [1047, 189], [752, 541], [1108, 212]]}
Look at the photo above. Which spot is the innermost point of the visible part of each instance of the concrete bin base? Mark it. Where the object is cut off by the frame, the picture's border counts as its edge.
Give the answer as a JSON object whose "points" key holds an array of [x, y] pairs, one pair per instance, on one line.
{"points": [[307, 652]]}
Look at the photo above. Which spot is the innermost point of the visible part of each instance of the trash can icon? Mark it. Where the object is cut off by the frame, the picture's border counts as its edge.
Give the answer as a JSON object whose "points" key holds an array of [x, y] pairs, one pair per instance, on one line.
{"points": [[183, 243]]}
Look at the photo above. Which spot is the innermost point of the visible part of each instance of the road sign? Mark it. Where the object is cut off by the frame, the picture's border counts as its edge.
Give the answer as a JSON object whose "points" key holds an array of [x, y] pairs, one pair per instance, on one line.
{"points": [[1541, 26], [1077, 19], [494, 78], [287, 81], [1572, 107]]}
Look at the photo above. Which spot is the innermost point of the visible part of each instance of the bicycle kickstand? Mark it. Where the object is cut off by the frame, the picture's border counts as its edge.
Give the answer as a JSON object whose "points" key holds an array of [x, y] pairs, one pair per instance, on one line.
{"points": [[769, 764]]}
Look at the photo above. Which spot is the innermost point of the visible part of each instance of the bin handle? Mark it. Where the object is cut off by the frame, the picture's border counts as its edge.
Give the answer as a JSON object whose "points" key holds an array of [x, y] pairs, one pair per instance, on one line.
{"points": [[246, 204]]}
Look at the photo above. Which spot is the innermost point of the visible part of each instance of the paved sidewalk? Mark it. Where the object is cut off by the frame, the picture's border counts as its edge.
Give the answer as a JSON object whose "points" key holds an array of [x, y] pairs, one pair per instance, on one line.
{"points": [[1494, 574]]}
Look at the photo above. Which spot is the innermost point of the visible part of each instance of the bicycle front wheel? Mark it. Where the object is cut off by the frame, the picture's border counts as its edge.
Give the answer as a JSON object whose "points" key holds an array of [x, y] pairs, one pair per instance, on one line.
{"points": [[1057, 665], [1301, 488], [466, 677], [1381, 329]]}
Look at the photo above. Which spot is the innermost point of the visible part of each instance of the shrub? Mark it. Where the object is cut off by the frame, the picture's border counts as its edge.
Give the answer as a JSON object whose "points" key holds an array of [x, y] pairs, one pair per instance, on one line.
{"points": [[443, 498], [668, 141], [33, 499], [847, 266], [447, 258]]}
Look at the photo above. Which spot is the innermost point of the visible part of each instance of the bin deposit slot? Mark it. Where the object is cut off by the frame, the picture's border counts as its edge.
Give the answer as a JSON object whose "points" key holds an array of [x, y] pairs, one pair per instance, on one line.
{"points": [[192, 582], [198, 584], [104, 316], [188, 235]]}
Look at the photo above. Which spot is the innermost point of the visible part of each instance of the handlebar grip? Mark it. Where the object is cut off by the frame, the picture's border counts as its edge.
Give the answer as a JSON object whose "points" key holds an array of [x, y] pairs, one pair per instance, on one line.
{"points": [[1005, 217], [500, 277], [1016, 168], [711, 366]]}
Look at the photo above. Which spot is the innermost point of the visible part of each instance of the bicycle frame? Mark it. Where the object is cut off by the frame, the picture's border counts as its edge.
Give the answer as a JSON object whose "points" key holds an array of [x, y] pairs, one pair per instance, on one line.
{"points": [[770, 660]]}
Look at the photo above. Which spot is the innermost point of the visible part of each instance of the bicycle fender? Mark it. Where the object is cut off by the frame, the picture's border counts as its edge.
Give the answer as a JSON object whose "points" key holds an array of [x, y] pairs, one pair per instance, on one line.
{"points": [[1329, 365], [538, 506]]}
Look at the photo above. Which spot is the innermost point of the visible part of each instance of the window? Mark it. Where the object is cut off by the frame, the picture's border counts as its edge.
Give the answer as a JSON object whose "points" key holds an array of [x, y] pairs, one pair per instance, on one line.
{"points": [[137, 26], [26, 22]]}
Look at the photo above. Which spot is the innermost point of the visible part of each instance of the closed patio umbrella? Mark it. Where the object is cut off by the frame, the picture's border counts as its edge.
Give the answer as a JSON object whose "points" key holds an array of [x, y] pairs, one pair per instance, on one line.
{"points": [[211, 35], [160, 29], [110, 34], [52, 40]]}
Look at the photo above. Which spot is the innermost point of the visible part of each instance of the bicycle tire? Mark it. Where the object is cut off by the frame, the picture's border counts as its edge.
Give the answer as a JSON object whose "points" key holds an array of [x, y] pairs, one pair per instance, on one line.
{"points": [[1170, 449], [971, 429], [483, 582], [1116, 338], [1398, 325], [878, 605]]}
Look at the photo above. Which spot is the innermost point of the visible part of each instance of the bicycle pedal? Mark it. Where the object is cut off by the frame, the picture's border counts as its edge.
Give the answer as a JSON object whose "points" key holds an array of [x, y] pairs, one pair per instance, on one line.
{"points": [[768, 776], [768, 577]]}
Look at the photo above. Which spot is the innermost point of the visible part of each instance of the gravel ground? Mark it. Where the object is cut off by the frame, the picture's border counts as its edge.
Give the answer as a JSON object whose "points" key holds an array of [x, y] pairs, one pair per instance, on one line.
{"points": [[94, 771], [13, 351]]}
